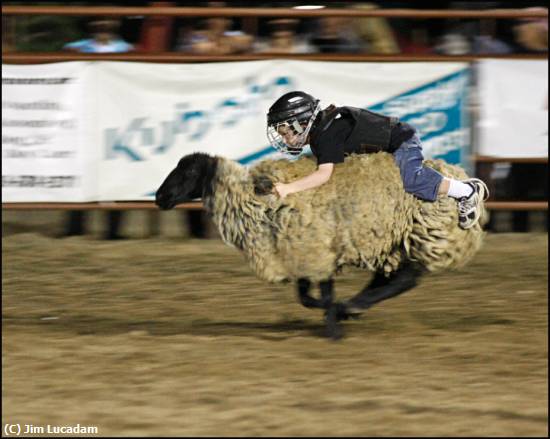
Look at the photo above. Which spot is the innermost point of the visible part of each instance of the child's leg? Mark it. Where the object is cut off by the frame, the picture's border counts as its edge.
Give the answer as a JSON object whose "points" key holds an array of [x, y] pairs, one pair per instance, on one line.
{"points": [[426, 183], [419, 180]]}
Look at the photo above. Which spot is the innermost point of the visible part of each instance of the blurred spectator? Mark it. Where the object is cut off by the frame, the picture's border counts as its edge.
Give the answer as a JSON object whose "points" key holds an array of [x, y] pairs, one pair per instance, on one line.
{"points": [[184, 39], [487, 42], [532, 33], [283, 38], [454, 41], [335, 35], [216, 38], [8, 34], [104, 39], [375, 33]]}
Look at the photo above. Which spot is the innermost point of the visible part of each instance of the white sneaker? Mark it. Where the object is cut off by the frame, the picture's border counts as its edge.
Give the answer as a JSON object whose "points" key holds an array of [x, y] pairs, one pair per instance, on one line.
{"points": [[469, 208]]}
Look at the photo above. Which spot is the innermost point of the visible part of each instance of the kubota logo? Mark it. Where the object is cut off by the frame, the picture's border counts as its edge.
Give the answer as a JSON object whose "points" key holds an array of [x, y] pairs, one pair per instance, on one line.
{"points": [[141, 139]]}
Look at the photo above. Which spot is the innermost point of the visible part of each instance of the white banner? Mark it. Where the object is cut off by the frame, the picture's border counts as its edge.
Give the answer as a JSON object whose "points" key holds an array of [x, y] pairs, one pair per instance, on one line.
{"points": [[513, 108], [46, 155], [113, 130]]}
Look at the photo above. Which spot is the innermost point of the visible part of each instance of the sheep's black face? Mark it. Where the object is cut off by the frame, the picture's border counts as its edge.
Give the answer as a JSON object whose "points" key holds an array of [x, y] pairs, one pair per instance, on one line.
{"points": [[187, 181]]}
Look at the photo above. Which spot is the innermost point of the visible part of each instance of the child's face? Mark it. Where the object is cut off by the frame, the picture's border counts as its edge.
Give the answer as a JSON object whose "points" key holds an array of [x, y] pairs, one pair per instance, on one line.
{"points": [[290, 135]]}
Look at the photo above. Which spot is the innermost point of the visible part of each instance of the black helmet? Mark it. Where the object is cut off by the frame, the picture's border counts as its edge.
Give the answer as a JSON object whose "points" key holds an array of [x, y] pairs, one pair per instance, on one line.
{"points": [[292, 113]]}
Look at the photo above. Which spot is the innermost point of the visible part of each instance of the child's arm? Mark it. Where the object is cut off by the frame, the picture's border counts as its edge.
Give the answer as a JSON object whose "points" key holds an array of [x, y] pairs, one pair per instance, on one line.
{"points": [[317, 178]]}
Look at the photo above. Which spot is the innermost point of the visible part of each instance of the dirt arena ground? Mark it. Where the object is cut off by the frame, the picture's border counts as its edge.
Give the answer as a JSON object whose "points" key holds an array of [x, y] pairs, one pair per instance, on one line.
{"points": [[176, 337]]}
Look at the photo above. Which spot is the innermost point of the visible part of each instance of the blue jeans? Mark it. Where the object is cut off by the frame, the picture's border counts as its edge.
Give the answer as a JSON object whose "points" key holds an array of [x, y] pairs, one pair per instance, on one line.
{"points": [[423, 182]]}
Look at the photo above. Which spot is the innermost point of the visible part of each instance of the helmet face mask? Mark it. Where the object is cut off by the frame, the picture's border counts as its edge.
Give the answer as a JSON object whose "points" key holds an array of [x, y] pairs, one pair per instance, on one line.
{"points": [[287, 136], [290, 120]]}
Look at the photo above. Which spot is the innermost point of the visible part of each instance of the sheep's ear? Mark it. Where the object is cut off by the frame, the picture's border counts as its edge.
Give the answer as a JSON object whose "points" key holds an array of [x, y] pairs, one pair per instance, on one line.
{"points": [[262, 185]]}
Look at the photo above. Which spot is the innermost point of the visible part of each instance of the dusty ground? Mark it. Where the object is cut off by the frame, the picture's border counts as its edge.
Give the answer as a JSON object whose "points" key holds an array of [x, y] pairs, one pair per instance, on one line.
{"points": [[177, 337]]}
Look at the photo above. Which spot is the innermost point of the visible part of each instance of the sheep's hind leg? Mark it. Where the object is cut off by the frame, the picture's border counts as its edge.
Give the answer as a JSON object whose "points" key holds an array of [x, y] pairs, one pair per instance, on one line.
{"points": [[380, 289], [378, 281]]}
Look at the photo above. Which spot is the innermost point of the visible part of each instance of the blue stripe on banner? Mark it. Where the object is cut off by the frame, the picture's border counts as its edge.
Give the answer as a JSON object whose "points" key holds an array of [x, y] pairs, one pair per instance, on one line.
{"points": [[380, 105]]}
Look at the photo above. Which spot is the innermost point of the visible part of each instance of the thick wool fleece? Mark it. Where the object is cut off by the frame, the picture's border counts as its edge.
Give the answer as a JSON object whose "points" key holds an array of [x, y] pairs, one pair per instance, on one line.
{"points": [[361, 217]]}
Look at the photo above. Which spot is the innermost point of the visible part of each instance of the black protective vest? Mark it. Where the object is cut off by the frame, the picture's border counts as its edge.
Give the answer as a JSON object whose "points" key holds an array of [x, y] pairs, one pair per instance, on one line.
{"points": [[371, 131]]}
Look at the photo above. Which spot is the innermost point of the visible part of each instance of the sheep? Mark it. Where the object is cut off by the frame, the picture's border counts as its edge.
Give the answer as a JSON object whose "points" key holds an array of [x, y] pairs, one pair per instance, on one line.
{"points": [[362, 217]]}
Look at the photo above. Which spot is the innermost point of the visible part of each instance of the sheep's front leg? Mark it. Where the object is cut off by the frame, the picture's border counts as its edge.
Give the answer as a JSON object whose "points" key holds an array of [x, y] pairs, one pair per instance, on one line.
{"points": [[326, 302], [326, 287]]}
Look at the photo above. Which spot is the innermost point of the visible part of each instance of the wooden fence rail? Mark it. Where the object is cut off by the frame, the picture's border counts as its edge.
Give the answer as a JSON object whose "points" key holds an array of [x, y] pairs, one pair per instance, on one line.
{"points": [[172, 57], [173, 11]]}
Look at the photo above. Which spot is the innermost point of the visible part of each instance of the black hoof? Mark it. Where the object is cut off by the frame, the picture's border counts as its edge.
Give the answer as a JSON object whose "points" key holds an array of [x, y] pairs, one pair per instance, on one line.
{"points": [[343, 312], [349, 312]]}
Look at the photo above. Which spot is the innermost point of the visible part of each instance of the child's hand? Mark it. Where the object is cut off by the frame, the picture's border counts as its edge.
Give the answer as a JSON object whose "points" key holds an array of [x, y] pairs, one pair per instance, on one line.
{"points": [[282, 190]]}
